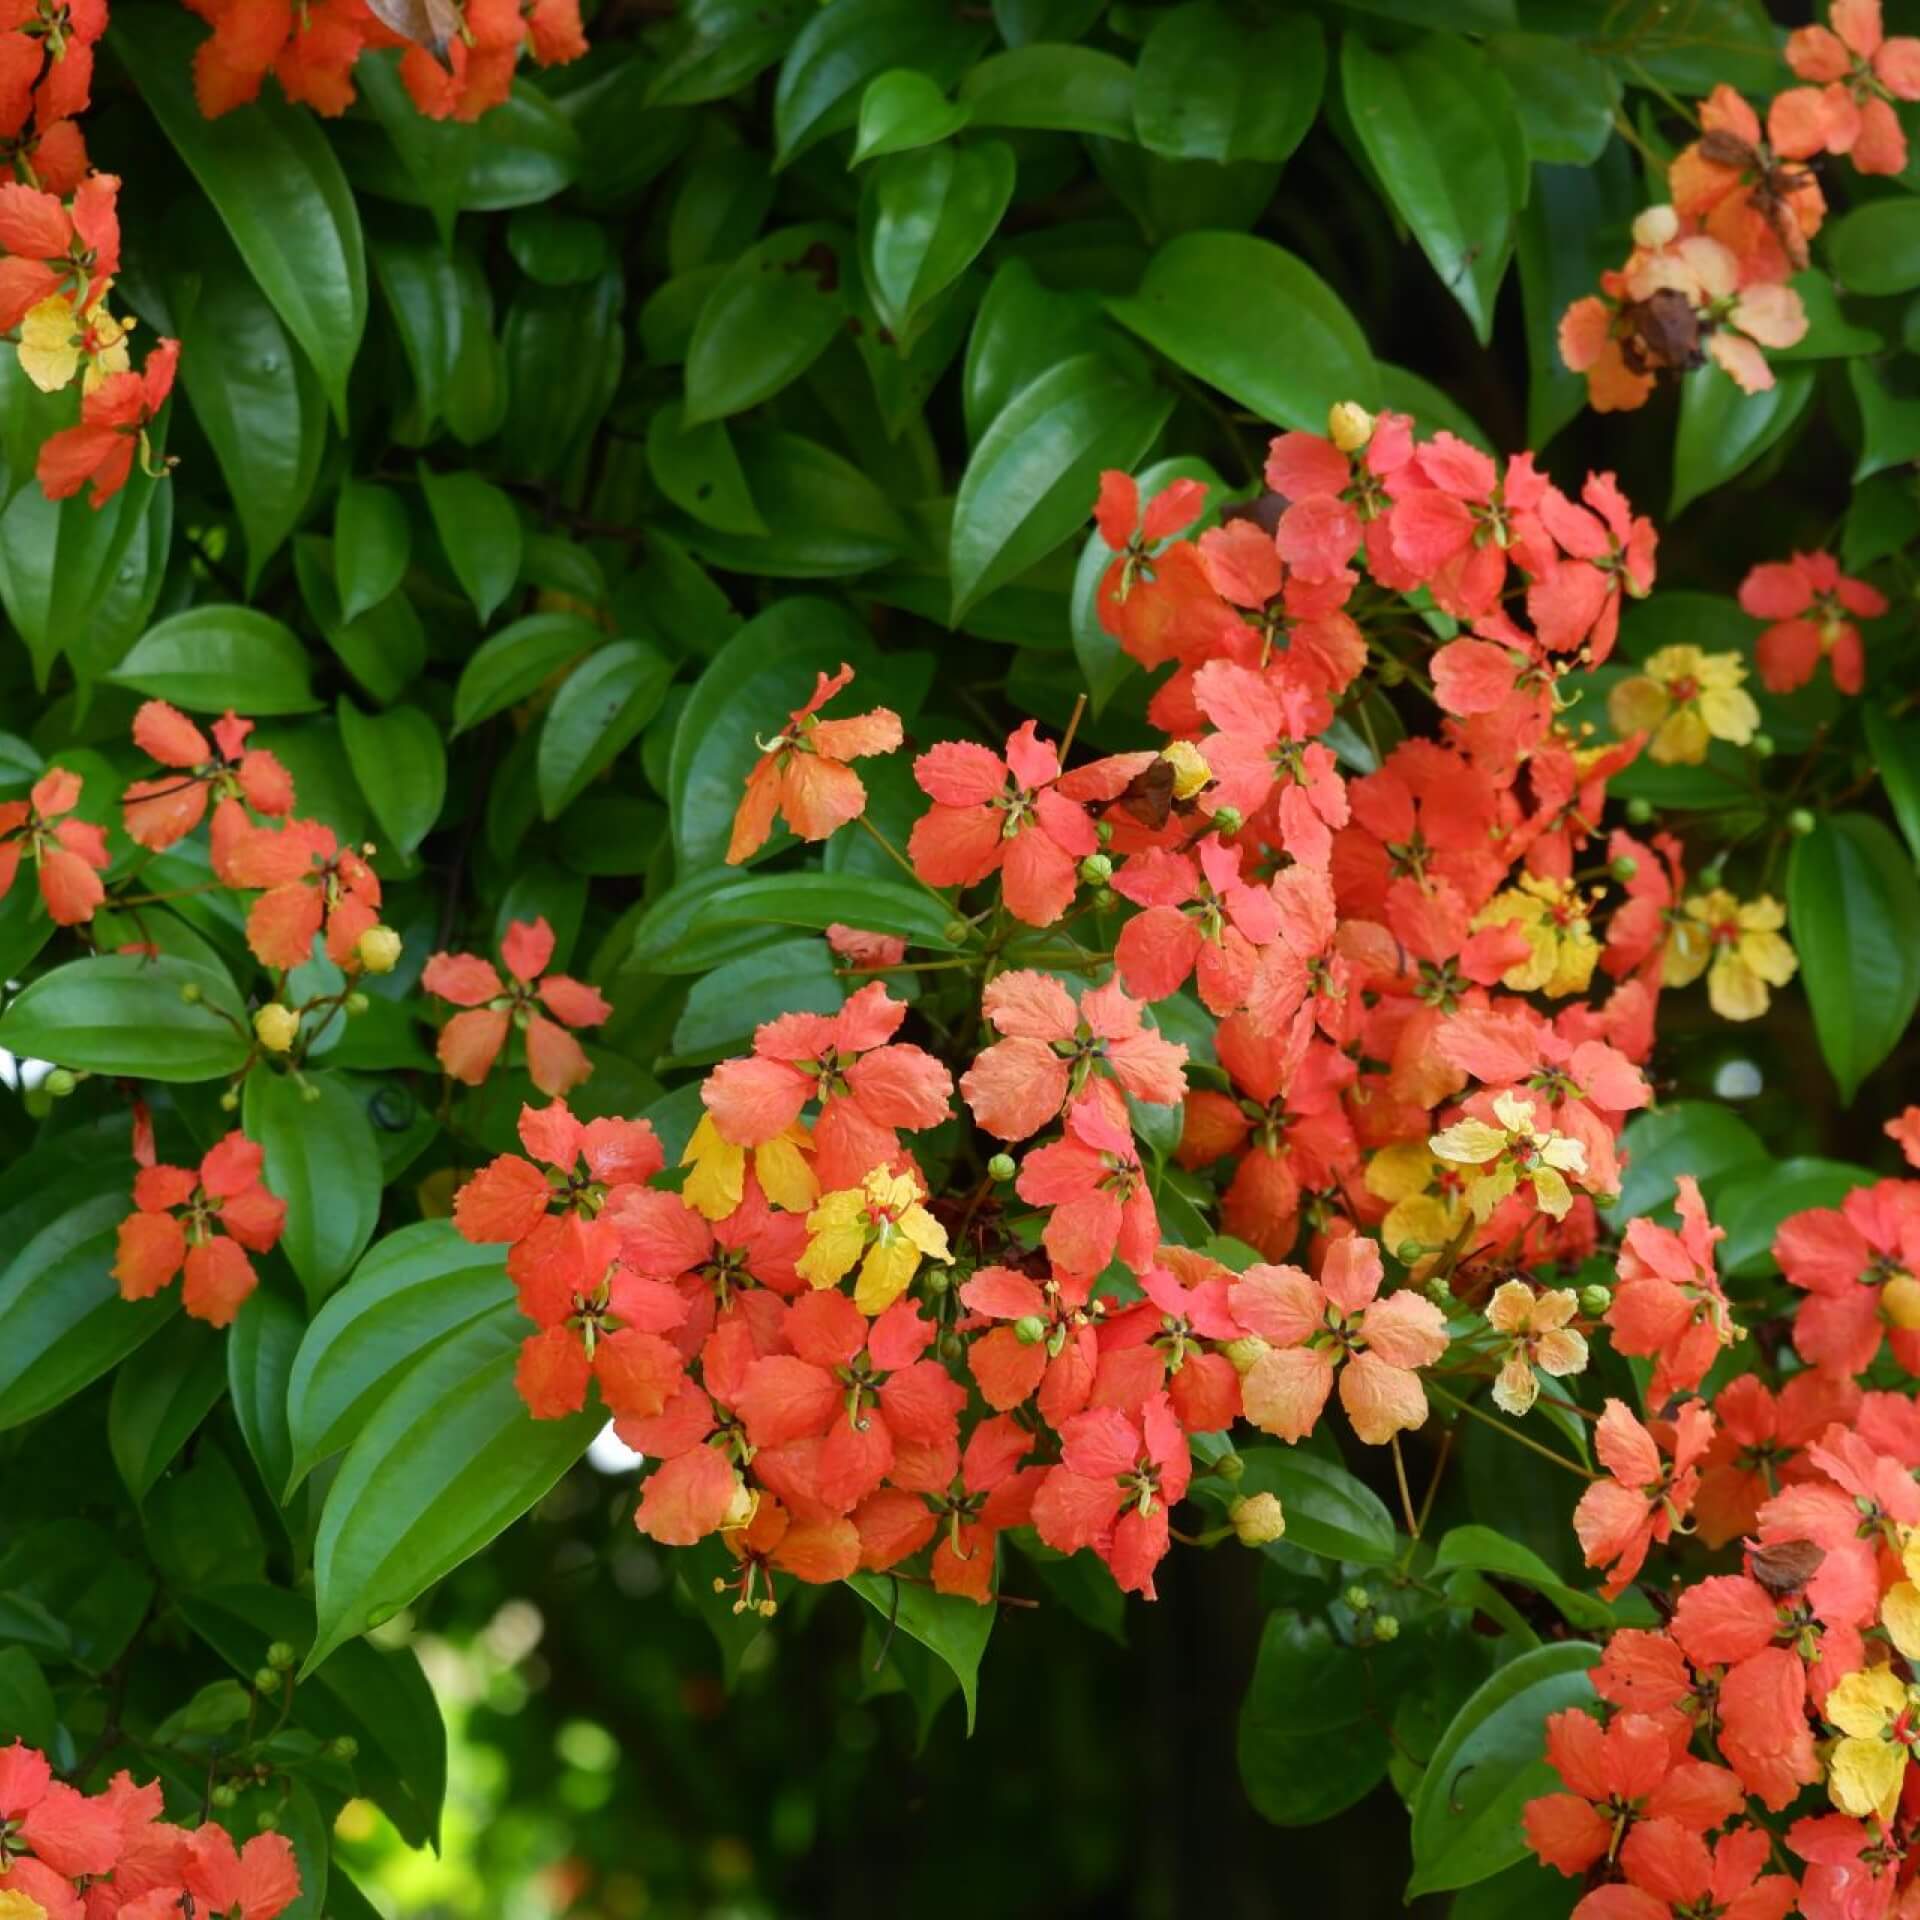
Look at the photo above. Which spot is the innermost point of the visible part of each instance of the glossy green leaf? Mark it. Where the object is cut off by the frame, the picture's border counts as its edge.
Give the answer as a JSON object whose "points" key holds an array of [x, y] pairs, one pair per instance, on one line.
{"points": [[1487, 1550], [1022, 328], [156, 1405], [698, 469], [273, 180], [924, 217], [724, 1006], [1751, 1201], [1890, 422], [1037, 467], [1489, 1763], [1306, 1745], [411, 1291], [509, 665], [1697, 1137], [564, 350], [1211, 87], [1249, 318], [719, 45], [400, 762], [132, 1015], [817, 900], [480, 533], [1724, 431], [450, 1458], [384, 648], [323, 1162], [214, 657], [1853, 911], [902, 110], [597, 714], [260, 1349], [27, 1708], [771, 315], [951, 1627], [1895, 745], [558, 249], [1439, 126], [1565, 95], [1328, 1511], [1053, 88], [1876, 248], [372, 543]]}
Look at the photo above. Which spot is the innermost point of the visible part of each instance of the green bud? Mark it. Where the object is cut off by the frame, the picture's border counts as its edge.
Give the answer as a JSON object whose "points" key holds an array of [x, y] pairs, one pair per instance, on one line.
{"points": [[190, 993], [346, 1747], [1761, 746], [1712, 874], [952, 1347], [957, 932], [1104, 899], [1001, 1167], [1104, 833], [1096, 869], [38, 1103], [1358, 1598], [1606, 1202], [281, 1656], [938, 1280], [1800, 822], [309, 1093], [230, 1100], [1408, 1251], [265, 1680], [1230, 1467], [222, 1796], [1229, 820], [1029, 1329], [1391, 671], [1623, 868], [1639, 811], [267, 1819], [357, 1003], [1439, 1291], [1595, 1300], [60, 1082], [1386, 1627]]}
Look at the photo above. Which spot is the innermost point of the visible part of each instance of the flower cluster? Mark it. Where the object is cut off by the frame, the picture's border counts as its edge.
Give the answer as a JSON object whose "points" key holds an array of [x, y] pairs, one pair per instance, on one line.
{"points": [[65, 1854]]}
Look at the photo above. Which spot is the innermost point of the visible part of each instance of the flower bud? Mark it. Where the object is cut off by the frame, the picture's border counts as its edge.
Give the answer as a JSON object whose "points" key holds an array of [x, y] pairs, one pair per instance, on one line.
{"points": [[1229, 820], [1349, 425], [309, 1093], [1639, 811], [1624, 868], [276, 1027], [344, 1747], [1256, 1518], [952, 1348], [1358, 1598], [265, 1680], [230, 1100], [1001, 1167], [1104, 833], [378, 949], [222, 1796], [1389, 670], [60, 1082], [1408, 1251], [957, 932], [1900, 1301], [190, 993], [38, 1103], [1096, 869], [1242, 1353], [1386, 1627], [357, 1003], [938, 1280], [1800, 822], [740, 1509], [1230, 1467], [1105, 898], [1761, 746], [1656, 227], [267, 1819], [1595, 1300], [1190, 769], [280, 1656], [1029, 1329]]}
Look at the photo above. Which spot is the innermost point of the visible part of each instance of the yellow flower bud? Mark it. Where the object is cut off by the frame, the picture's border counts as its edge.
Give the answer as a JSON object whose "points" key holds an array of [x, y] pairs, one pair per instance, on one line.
{"points": [[1900, 1299], [1242, 1353], [1656, 227], [1349, 425], [1256, 1518], [379, 949], [276, 1027], [1190, 770]]}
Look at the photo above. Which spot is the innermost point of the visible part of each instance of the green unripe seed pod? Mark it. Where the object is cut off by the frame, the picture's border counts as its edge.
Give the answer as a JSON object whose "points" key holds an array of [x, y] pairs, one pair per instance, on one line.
{"points": [[60, 1082], [1595, 1300], [1001, 1167], [1800, 822], [1386, 1627], [1639, 811], [1358, 1598], [1029, 1329], [346, 1747], [1761, 746], [265, 1680], [1096, 869], [267, 1819], [281, 1656]]}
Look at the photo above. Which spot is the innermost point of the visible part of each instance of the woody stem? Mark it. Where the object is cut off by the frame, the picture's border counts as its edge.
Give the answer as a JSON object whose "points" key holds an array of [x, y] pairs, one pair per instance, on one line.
{"points": [[1406, 1493], [1512, 1433]]}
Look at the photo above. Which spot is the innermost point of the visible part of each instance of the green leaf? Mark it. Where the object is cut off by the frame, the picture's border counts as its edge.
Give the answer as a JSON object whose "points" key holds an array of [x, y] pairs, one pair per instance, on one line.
{"points": [[842, 47], [1021, 329], [773, 313], [1055, 88], [698, 469], [449, 1460], [210, 658], [902, 110], [924, 217], [1249, 318], [1895, 746], [62, 1321], [817, 900], [1307, 1747], [518, 660], [128, 1014], [27, 1709], [1213, 88], [1700, 1137], [323, 1161], [260, 1349], [1751, 1201], [1853, 907], [384, 648], [1724, 431], [564, 352], [273, 180], [724, 1006], [558, 249], [1565, 96], [254, 393], [1489, 1763], [1876, 248], [598, 713], [1031, 480], [719, 45], [372, 543], [945, 1624], [480, 533], [1890, 422], [1830, 335], [410, 1292], [400, 762], [158, 1402], [379, 1700], [1487, 1550], [1439, 126], [1328, 1511]]}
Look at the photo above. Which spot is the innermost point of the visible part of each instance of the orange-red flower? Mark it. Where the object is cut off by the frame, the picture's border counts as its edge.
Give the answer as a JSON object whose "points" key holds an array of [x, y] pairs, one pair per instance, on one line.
{"points": [[69, 856], [1760, 1442], [160, 811], [1093, 1181], [311, 885], [1856, 74], [802, 773], [207, 1222], [46, 60], [1860, 1265], [1118, 1476], [309, 47], [1668, 1302], [1812, 606], [470, 1042], [55, 248], [1200, 917], [114, 419], [1043, 1340], [1645, 1497]]}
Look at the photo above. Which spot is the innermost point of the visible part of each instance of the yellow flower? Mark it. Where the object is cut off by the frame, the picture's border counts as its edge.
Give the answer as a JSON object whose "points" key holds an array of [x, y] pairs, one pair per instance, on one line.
{"points": [[1553, 920], [1190, 770], [719, 1171], [880, 1225], [1900, 1604], [1500, 1157], [15, 1905], [1425, 1202], [1538, 1335], [1685, 699], [54, 340], [1738, 946], [1874, 1712]]}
